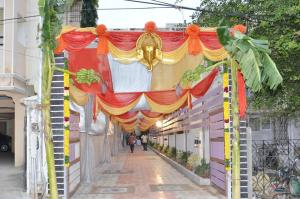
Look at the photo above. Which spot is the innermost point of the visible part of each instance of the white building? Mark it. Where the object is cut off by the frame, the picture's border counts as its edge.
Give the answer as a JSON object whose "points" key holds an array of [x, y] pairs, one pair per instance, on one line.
{"points": [[20, 63], [262, 126]]}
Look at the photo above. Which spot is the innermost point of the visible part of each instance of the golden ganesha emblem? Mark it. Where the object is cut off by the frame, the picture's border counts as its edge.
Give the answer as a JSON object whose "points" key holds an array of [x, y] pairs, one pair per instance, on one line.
{"points": [[149, 47]]}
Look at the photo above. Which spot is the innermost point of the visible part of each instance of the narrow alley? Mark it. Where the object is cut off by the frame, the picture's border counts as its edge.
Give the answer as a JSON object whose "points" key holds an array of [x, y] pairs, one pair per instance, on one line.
{"points": [[142, 174]]}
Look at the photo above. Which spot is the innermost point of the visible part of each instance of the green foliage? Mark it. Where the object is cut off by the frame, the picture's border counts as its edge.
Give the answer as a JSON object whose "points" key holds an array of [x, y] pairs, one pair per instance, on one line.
{"points": [[182, 158], [178, 154], [172, 152], [165, 149], [252, 56], [156, 145], [203, 169], [89, 14], [192, 75], [50, 10], [160, 147], [193, 160], [151, 144], [278, 22], [85, 76]]}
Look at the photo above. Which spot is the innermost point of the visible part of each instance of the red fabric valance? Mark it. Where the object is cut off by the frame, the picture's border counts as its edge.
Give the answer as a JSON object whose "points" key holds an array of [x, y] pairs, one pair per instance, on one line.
{"points": [[125, 40], [202, 87], [164, 97], [87, 58], [119, 99], [151, 114], [128, 115], [241, 94], [73, 41]]}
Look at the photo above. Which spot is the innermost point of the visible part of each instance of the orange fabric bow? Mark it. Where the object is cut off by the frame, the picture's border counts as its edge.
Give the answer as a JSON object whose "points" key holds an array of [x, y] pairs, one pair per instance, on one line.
{"points": [[103, 39], [60, 45], [150, 27], [194, 45], [240, 28]]}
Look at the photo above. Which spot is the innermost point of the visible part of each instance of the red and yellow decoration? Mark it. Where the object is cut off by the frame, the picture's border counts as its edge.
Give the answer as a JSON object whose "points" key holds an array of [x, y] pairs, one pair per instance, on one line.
{"points": [[166, 54], [150, 47]]}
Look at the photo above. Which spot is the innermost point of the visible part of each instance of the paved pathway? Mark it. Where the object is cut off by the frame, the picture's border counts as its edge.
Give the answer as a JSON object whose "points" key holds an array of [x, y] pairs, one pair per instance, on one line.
{"points": [[142, 175], [11, 178]]}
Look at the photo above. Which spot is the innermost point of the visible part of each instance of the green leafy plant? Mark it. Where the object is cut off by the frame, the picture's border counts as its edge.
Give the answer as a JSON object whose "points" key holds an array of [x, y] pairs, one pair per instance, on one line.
{"points": [[278, 23], [203, 169], [193, 161], [165, 149], [183, 158], [51, 27], [87, 76], [161, 147], [151, 144], [171, 153], [252, 57], [178, 155]]}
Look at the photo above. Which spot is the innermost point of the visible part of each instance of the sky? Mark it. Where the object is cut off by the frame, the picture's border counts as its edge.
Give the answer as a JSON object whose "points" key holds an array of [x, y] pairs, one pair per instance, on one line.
{"points": [[137, 18]]}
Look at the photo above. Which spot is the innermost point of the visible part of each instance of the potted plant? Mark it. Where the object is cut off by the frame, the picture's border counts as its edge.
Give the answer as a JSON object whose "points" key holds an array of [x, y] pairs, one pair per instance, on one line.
{"points": [[203, 169], [193, 161]]}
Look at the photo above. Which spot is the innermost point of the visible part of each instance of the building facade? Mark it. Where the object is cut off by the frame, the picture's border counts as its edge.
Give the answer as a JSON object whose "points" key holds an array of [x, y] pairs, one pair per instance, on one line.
{"points": [[20, 62]]}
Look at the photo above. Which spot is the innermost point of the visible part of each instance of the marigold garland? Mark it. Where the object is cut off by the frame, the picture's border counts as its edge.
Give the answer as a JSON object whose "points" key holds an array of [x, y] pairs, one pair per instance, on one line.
{"points": [[226, 118], [67, 119]]}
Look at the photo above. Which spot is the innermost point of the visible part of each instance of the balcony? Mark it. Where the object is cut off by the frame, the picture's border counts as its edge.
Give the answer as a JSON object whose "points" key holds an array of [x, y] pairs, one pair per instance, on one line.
{"points": [[11, 78]]}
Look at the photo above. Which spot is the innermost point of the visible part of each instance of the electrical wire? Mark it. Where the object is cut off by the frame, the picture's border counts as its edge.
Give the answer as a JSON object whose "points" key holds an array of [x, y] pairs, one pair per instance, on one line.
{"points": [[100, 9], [245, 16]]}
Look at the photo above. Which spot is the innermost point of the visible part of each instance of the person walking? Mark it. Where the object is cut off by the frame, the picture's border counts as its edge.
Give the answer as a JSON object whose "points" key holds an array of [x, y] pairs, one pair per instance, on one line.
{"points": [[131, 141], [144, 141]]}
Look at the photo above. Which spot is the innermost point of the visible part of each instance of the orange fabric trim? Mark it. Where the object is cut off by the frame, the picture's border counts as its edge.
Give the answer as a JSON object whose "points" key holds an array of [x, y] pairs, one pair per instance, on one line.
{"points": [[194, 44], [103, 40]]}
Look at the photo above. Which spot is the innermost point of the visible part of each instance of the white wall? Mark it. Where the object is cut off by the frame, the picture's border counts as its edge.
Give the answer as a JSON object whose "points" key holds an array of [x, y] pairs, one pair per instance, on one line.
{"points": [[172, 140], [33, 52], [180, 142], [97, 143], [294, 129]]}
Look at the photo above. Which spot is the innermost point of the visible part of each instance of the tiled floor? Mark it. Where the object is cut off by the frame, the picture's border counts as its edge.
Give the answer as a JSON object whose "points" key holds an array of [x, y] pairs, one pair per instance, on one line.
{"points": [[12, 179], [142, 175]]}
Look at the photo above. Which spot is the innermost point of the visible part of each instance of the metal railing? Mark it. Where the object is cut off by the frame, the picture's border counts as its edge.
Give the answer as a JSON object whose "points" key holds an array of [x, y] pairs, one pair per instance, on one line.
{"points": [[274, 165]]}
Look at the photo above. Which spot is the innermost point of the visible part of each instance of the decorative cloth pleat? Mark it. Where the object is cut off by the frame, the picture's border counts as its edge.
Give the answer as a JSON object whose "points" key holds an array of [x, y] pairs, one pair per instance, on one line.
{"points": [[132, 77]]}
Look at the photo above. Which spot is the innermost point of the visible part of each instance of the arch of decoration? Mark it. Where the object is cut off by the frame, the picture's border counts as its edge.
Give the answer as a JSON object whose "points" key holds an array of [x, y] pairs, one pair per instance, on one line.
{"points": [[165, 56]]}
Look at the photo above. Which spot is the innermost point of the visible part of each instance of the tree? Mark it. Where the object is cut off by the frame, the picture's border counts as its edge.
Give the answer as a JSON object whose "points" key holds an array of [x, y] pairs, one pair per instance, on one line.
{"points": [[251, 57], [89, 14], [279, 22], [50, 10], [50, 29]]}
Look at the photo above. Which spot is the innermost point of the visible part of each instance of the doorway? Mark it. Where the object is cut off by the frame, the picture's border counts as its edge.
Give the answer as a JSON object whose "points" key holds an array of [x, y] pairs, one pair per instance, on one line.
{"points": [[11, 177]]}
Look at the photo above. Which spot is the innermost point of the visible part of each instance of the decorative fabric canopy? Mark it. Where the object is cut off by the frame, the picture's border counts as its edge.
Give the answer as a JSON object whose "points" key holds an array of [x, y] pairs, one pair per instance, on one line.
{"points": [[161, 102], [139, 69], [123, 45]]}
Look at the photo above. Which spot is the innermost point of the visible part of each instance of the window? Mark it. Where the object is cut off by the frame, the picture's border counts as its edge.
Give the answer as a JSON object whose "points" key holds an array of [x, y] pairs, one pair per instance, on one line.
{"points": [[265, 124], [254, 123]]}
